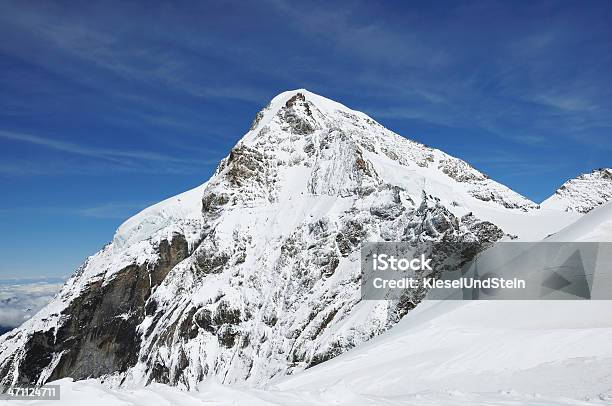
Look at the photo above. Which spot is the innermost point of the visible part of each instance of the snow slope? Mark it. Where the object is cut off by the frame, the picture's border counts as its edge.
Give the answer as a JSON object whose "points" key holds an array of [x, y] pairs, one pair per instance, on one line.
{"points": [[520, 348], [442, 353], [595, 227], [178, 214], [93, 393]]}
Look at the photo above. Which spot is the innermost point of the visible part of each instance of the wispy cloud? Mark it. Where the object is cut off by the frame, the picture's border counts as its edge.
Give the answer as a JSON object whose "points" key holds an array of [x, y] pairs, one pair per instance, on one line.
{"points": [[367, 40], [112, 159], [112, 210], [101, 153], [105, 210], [88, 48], [514, 82], [534, 75]]}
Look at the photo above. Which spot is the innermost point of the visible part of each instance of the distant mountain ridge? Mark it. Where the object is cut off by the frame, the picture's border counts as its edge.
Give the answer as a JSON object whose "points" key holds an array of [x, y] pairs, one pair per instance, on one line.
{"points": [[583, 193]]}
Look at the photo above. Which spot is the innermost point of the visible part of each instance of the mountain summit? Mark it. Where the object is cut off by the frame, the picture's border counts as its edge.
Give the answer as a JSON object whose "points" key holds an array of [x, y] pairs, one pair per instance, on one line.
{"points": [[255, 273]]}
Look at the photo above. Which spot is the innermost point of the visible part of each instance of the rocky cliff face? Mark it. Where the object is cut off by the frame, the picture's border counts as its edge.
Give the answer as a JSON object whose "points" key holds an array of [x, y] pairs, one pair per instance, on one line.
{"points": [[584, 193], [255, 273]]}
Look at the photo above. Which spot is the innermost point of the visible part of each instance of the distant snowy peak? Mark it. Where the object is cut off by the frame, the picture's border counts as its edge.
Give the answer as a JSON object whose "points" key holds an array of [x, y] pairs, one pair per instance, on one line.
{"points": [[584, 193]]}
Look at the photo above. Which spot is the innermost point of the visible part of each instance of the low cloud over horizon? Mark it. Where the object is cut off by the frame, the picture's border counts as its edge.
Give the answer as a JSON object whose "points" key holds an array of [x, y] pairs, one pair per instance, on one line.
{"points": [[20, 299]]}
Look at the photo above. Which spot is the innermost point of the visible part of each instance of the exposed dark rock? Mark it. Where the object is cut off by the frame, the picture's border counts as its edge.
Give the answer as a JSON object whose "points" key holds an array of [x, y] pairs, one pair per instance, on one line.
{"points": [[150, 307], [188, 328], [344, 244], [159, 373], [364, 166], [331, 266], [391, 154], [37, 356], [367, 146], [5, 369], [289, 247], [203, 318], [297, 123], [350, 236], [332, 352], [227, 335], [212, 202], [605, 173], [460, 170], [170, 254], [309, 149], [298, 97], [298, 116], [245, 163], [270, 319], [209, 260], [485, 231], [225, 314], [326, 320], [256, 120], [183, 362], [486, 196], [99, 334]]}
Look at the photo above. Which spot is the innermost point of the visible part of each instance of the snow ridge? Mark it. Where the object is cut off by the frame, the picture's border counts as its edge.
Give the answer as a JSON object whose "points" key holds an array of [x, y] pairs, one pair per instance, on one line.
{"points": [[583, 193]]}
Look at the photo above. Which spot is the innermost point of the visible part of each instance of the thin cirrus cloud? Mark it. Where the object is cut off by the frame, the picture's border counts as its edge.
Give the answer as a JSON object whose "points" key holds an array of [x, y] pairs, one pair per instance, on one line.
{"points": [[83, 45], [427, 73], [530, 79], [535, 78], [113, 210], [148, 97], [106, 210], [127, 160], [101, 153]]}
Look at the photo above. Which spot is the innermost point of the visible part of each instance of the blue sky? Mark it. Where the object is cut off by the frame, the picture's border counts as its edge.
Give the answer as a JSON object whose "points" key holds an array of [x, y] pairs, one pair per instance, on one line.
{"points": [[108, 107]]}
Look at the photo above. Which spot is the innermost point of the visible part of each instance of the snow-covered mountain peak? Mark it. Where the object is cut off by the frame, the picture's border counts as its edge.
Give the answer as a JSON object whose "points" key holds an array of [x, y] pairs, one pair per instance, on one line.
{"points": [[345, 152], [255, 273], [583, 193], [292, 98], [299, 112]]}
